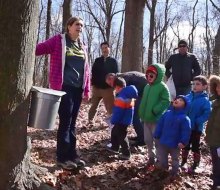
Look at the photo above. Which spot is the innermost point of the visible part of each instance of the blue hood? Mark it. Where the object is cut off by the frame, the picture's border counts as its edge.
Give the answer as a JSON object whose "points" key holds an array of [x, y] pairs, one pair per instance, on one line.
{"points": [[187, 104]]}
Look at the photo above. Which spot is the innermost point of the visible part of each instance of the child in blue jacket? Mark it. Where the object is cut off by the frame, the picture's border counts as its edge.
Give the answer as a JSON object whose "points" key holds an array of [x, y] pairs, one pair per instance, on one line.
{"points": [[199, 112], [173, 133], [122, 116]]}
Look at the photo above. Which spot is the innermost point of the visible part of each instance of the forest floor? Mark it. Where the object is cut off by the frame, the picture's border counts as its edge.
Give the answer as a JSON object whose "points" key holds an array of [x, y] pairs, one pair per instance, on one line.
{"points": [[103, 170]]}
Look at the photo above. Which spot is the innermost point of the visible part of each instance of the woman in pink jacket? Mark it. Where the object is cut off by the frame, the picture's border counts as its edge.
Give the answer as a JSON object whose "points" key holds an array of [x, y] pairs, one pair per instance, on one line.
{"points": [[69, 72]]}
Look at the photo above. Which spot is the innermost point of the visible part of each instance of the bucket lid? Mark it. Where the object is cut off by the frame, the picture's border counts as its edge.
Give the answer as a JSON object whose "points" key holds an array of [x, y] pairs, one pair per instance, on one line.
{"points": [[48, 91]]}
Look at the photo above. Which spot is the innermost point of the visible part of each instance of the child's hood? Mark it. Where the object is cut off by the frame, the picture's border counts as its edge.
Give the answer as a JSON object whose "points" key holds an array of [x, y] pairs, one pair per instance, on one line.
{"points": [[129, 92], [187, 103], [160, 72], [214, 80]]}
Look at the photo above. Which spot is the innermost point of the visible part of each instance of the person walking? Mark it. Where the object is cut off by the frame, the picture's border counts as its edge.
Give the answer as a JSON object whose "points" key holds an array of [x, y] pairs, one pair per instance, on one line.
{"points": [[69, 72], [100, 89], [183, 67]]}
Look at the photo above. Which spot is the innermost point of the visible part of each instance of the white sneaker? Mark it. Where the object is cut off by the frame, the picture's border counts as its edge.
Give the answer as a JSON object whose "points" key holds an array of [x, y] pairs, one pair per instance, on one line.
{"points": [[109, 145]]}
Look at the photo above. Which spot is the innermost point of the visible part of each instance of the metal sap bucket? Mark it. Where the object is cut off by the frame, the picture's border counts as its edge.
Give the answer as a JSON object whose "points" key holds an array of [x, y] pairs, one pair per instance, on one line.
{"points": [[44, 107]]}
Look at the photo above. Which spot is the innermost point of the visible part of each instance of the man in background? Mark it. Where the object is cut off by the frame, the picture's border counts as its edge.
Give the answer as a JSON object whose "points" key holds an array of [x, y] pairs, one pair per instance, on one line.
{"points": [[100, 89], [183, 66]]}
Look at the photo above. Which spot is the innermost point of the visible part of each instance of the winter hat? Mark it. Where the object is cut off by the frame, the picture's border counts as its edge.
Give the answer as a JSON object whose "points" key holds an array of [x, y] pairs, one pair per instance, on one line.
{"points": [[182, 42], [151, 69], [185, 99]]}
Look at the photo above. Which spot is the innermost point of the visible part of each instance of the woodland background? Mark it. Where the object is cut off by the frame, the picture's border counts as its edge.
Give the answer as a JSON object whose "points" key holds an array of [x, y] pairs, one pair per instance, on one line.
{"points": [[140, 33]]}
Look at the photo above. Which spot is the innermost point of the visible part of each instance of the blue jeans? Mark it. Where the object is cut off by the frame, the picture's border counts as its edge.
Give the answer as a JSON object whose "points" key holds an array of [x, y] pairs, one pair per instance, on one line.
{"points": [[68, 112], [137, 124], [162, 154]]}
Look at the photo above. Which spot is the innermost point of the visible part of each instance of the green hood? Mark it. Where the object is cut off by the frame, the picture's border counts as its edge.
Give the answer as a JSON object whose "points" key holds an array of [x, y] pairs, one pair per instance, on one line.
{"points": [[160, 72]]}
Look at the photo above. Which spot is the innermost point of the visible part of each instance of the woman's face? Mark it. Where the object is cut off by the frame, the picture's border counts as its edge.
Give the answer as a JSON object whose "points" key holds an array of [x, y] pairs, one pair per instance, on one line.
{"points": [[76, 28]]}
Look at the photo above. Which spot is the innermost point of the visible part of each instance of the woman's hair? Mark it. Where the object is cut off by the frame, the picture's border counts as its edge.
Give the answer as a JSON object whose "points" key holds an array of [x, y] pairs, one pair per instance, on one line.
{"points": [[70, 22]]}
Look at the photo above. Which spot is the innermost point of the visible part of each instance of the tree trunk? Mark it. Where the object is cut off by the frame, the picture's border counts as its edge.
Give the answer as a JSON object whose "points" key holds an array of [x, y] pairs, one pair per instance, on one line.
{"points": [[45, 82], [67, 7], [151, 31], [132, 56], [216, 53], [18, 20]]}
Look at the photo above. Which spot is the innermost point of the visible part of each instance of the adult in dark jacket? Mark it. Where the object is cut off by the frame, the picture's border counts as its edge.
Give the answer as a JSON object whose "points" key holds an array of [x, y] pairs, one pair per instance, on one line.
{"points": [[100, 90], [137, 79], [183, 66]]}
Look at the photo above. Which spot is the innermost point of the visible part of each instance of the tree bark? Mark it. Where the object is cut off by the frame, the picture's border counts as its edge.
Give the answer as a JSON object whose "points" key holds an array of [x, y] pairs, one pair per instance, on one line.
{"points": [[18, 20], [45, 82], [67, 7], [132, 56], [216, 53], [152, 9]]}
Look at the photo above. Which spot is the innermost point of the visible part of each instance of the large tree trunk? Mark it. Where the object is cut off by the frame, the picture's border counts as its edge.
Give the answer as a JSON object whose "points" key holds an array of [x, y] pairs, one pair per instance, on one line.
{"points": [[216, 53], [67, 7], [152, 9], [18, 20], [132, 56], [45, 82]]}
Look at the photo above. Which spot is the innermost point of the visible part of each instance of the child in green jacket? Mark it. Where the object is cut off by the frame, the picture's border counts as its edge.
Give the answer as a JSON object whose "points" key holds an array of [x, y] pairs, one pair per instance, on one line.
{"points": [[154, 102]]}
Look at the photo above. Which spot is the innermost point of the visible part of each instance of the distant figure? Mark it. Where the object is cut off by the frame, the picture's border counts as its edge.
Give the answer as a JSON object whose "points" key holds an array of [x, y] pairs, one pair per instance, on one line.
{"points": [[198, 113], [100, 89], [69, 72], [173, 133], [122, 117], [154, 103], [183, 66], [213, 130], [139, 80]]}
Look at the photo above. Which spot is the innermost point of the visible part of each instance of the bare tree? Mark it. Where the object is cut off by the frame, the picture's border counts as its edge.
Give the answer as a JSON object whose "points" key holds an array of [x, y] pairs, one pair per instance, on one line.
{"points": [[132, 58], [45, 66], [17, 45], [216, 49], [151, 7], [67, 12], [161, 41], [207, 41], [194, 25], [102, 12]]}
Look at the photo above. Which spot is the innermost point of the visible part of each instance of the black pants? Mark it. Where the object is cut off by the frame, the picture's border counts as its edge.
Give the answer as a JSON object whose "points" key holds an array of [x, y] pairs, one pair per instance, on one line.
{"points": [[119, 138], [194, 142], [183, 90]]}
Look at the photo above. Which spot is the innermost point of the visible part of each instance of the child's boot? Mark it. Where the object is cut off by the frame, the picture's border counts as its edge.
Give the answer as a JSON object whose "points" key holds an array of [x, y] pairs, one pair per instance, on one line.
{"points": [[185, 154], [196, 160]]}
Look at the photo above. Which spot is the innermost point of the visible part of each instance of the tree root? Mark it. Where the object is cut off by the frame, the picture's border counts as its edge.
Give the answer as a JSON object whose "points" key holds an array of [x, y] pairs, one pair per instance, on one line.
{"points": [[25, 175]]}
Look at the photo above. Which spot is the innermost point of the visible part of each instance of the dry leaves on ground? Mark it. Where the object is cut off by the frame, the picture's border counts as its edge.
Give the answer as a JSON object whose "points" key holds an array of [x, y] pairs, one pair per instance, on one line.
{"points": [[103, 170]]}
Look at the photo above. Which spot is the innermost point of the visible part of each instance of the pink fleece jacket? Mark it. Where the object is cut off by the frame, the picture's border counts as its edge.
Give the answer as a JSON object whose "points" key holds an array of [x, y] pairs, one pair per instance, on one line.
{"points": [[56, 47]]}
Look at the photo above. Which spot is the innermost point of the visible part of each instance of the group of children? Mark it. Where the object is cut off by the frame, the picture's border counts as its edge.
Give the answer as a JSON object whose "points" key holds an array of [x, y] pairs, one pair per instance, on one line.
{"points": [[171, 126]]}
